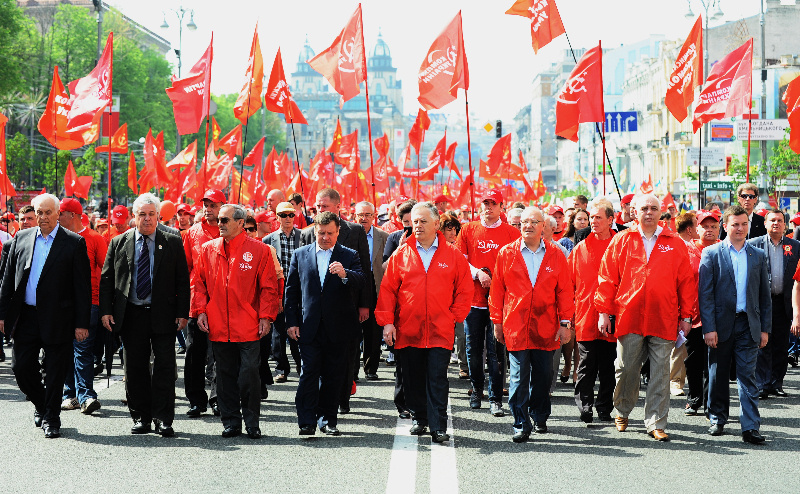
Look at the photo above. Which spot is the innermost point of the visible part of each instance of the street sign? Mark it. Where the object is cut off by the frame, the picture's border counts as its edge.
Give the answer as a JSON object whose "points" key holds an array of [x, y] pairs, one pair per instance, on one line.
{"points": [[714, 158], [621, 121], [721, 132], [488, 127], [595, 181], [715, 185], [785, 203], [763, 130]]}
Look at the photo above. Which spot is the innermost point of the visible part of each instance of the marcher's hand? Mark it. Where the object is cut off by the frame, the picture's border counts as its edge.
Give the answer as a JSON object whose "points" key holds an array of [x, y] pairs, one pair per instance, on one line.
{"points": [[181, 323], [293, 332], [389, 334], [264, 327], [764, 340], [795, 326], [711, 339], [564, 334], [202, 322], [337, 269], [107, 321], [685, 327], [604, 324], [498, 333], [363, 314], [81, 334], [485, 279]]}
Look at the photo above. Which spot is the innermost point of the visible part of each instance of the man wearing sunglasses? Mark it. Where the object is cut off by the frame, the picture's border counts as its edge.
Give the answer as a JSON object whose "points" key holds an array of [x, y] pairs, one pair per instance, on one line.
{"points": [[747, 194]]}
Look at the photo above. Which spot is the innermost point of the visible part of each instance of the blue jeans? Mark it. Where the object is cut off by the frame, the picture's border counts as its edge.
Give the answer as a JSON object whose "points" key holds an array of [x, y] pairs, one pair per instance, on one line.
{"points": [[79, 382], [529, 388], [794, 345], [480, 335]]}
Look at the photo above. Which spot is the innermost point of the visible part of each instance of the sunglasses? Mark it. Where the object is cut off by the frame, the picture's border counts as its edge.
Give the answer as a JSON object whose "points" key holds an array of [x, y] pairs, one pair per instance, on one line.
{"points": [[224, 220], [285, 215], [748, 196], [251, 229]]}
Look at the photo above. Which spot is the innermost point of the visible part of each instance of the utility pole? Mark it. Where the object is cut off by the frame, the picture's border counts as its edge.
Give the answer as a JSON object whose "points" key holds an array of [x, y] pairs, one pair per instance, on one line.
{"points": [[762, 21]]}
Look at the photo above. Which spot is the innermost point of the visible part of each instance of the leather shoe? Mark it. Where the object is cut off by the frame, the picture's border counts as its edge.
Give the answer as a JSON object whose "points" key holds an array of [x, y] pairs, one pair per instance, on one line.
{"points": [[440, 436], [586, 417], [372, 377], [659, 435], [418, 429], [344, 410], [780, 392], [164, 430], [540, 428], [716, 430], [264, 393], [307, 430], [604, 417], [51, 432], [195, 411], [764, 394], [521, 437], [330, 430], [621, 423], [215, 409], [405, 414], [37, 418], [254, 433], [280, 378], [231, 432], [140, 427], [475, 401], [752, 437]]}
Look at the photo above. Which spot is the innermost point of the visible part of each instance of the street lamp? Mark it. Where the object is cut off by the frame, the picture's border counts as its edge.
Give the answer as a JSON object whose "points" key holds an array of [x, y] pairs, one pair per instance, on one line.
{"points": [[180, 13]]}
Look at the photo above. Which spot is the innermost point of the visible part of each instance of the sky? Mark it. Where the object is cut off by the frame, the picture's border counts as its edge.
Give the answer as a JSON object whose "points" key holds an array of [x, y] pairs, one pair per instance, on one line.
{"points": [[502, 63]]}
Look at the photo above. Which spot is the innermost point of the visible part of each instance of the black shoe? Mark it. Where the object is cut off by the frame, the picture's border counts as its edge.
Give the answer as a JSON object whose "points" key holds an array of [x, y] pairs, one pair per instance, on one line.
{"points": [[793, 360], [564, 379], [264, 393], [2, 355], [440, 436], [37, 418], [51, 432], [164, 429], [215, 409], [780, 392], [195, 411], [254, 433], [521, 437], [764, 394], [586, 417], [344, 409], [141, 427], [418, 429], [330, 430], [604, 417], [716, 430], [405, 414], [355, 379], [540, 428], [232, 432], [752, 437], [475, 401], [372, 376], [307, 430]]}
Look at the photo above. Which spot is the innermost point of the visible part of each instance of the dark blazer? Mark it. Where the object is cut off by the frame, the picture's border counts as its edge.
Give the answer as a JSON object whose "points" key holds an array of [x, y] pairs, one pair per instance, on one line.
{"points": [[757, 228], [308, 304], [352, 236], [168, 229], [717, 292], [170, 296], [274, 239], [379, 238], [584, 232], [789, 265], [4, 259], [64, 292]]}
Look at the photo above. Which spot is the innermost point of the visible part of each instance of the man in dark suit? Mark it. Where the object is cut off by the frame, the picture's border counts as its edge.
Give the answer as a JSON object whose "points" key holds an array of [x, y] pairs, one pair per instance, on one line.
{"points": [[747, 195], [782, 256], [144, 296], [736, 311], [321, 314], [46, 300]]}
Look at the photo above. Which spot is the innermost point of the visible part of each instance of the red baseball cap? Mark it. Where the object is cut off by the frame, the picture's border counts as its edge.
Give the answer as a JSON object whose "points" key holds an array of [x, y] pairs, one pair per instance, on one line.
{"points": [[441, 198], [553, 209], [119, 215], [762, 212], [626, 199], [262, 217], [184, 209], [215, 195], [71, 205], [492, 195], [100, 221], [704, 214], [795, 219], [10, 216], [465, 208]]}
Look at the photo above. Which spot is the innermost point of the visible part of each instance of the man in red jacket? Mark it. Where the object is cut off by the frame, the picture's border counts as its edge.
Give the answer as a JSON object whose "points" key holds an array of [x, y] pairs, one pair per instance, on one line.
{"points": [[236, 297], [426, 289], [531, 304], [645, 279]]}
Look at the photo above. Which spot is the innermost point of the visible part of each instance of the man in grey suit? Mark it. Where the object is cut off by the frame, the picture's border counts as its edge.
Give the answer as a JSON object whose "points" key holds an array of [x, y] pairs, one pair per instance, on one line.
{"points": [[371, 332], [285, 241], [736, 311]]}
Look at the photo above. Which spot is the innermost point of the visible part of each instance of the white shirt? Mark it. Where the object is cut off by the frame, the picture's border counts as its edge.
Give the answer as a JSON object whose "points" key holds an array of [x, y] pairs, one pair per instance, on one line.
{"points": [[533, 260], [650, 243]]}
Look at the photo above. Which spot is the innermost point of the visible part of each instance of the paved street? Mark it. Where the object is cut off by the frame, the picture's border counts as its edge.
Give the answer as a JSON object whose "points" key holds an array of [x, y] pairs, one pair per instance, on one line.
{"points": [[375, 454]]}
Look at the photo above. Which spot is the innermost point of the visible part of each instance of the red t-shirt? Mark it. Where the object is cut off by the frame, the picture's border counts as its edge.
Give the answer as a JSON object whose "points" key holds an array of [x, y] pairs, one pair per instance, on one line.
{"points": [[481, 245], [97, 248]]}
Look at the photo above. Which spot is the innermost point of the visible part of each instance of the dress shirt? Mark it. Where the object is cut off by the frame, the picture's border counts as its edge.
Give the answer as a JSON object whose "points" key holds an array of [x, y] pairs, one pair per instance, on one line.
{"points": [[427, 254], [749, 223], [41, 249], [370, 242], [533, 260], [287, 248], [739, 263], [775, 253], [650, 243], [323, 260], [151, 244]]}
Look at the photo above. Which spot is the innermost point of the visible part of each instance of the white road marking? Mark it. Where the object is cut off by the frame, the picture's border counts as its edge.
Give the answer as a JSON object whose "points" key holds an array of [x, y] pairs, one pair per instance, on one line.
{"points": [[444, 474], [403, 463]]}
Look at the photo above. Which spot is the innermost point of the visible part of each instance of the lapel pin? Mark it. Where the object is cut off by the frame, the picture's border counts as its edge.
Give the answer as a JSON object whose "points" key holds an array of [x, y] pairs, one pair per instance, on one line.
{"points": [[159, 247]]}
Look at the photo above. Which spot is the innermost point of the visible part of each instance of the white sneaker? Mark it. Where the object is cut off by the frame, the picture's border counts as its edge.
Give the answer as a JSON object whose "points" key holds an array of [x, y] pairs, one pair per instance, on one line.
{"points": [[70, 404], [89, 406], [676, 392]]}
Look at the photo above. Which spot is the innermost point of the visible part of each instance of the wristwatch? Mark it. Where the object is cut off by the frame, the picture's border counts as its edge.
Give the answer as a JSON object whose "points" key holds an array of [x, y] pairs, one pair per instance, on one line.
{"points": [[687, 319]]}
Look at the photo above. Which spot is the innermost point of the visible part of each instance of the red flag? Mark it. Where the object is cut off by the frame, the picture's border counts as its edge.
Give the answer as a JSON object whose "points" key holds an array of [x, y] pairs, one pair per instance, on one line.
{"points": [[348, 155], [546, 22], [417, 133], [190, 95], [119, 142], [687, 73], [539, 188], [232, 142], [220, 172], [132, 182], [188, 181], [344, 64], [82, 186], [336, 143], [728, 90], [647, 186], [92, 93], [438, 157], [444, 68], [278, 98], [5, 184], [187, 157], [53, 123], [485, 172], [500, 155], [384, 166], [254, 158], [668, 201], [154, 159], [249, 100], [463, 193], [450, 159], [792, 99], [215, 130], [581, 100], [70, 180]]}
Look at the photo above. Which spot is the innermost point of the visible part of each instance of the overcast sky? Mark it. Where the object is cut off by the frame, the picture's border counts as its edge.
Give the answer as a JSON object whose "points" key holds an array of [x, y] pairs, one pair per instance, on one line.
{"points": [[501, 61]]}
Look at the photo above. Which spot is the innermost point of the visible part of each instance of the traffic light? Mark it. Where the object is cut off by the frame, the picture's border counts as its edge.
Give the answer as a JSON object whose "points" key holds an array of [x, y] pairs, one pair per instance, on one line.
{"points": [[498, 132]]}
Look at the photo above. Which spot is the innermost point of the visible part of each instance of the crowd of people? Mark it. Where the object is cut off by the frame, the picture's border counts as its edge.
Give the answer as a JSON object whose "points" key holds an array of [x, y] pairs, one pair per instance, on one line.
{"points": [[637, 295]]}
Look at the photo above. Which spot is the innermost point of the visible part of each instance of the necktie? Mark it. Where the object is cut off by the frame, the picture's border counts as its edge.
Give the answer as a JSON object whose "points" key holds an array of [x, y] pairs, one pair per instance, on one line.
{"points": [[143, 285]]}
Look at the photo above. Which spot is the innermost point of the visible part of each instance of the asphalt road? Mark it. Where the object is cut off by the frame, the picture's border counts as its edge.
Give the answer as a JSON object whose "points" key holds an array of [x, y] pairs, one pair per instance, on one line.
{"points": [[98, 454]]}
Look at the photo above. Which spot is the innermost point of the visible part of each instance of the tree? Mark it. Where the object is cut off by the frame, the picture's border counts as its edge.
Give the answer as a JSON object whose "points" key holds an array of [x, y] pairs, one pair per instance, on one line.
{"points": [[11, 61]]}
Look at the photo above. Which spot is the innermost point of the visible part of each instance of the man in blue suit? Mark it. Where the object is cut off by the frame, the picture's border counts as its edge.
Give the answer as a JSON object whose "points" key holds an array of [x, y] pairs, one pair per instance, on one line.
{"points": [[736, 311], [322, 315]]}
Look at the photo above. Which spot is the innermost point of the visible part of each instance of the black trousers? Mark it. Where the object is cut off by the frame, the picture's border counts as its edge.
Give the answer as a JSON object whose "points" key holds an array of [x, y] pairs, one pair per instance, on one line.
{"points": [[372, 335], [151, 394], [321, 381], [264, 372], [278, 340], [238, 382], [194, 370], [696, 369], [596, 358], [773, 359], [27, 344], [399, 394], [350, 350], [425, 384]]}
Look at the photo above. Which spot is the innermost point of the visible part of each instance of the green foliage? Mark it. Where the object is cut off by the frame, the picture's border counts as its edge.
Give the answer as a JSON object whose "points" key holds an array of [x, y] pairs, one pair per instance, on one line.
{"points": [[11, 24], [581, 189], [783, 166], [19, 159]]}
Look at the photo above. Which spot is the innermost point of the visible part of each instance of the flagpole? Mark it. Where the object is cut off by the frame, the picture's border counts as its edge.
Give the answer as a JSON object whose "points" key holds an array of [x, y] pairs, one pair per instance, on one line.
{"points": [[700, 169], [109, 154], [469, 154], [299, 166], [750, 128], [369, 119]]}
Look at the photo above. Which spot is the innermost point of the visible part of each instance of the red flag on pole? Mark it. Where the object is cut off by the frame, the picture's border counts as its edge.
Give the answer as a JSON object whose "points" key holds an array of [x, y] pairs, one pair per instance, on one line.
{"points": [[132, 182], [249, 100], [450, 159], [539, 188], [687, 73], [647, 186], [348, 155], [500, 155], [278, 98], [254, 158], [190, 95], [53, 123], [336, 143], [343, 63], [70, 180], [417, 133], [232, 142], [581, 100], [118, 143], [92, 93], [792, 99], [444, 68], [5, 184], [728, 90], [215, 131], [546, 22]]}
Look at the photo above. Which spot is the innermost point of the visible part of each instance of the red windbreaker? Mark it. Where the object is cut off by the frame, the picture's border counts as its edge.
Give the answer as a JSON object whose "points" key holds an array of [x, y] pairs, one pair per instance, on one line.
{"points": [[235, 288], [649, 298], [424, 307], [194, 238], [530, 315], [584, 263]]}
